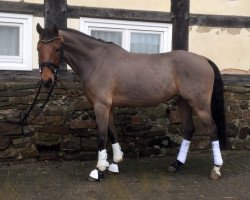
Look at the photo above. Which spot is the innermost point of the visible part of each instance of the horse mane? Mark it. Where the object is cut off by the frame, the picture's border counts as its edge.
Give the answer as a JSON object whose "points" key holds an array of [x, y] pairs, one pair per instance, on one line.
{"points": [[87, 36]]}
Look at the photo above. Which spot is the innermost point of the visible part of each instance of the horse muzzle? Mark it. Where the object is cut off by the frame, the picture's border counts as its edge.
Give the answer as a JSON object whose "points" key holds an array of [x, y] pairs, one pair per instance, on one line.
{"points": [[47, 83]]}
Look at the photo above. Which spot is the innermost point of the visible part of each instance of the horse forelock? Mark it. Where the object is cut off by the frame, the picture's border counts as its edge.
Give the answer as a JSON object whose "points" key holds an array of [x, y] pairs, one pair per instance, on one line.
{"points": [[48, 34]]}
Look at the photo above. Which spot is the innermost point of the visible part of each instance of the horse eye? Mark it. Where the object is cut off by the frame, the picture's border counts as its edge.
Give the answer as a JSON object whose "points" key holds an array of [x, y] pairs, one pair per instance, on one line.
{"points": [[57, 50]]}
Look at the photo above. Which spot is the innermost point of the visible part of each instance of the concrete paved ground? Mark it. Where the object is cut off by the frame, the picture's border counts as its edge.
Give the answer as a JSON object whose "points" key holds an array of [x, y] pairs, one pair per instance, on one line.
{"points": [[145, 178]]}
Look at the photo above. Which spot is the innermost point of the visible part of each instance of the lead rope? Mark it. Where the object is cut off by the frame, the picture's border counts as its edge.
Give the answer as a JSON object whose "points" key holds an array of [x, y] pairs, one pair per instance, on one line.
{"points": [[23, 116]]}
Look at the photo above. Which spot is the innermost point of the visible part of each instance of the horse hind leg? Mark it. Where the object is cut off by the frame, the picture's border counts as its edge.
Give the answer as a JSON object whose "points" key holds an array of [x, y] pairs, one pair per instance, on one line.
{"points": [[206, 118], [117, 153], [185, 112]]}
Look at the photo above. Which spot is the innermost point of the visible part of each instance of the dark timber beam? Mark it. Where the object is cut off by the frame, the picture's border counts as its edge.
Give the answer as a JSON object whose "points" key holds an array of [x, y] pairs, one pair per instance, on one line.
{"points": [[55, 13], [37, 10], [122, 14], [219, 21], [180, 18], [22, 8]]}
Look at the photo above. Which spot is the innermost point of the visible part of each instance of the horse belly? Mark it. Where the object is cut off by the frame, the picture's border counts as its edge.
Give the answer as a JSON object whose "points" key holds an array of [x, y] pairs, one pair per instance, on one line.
{"points": [[143, 95]]}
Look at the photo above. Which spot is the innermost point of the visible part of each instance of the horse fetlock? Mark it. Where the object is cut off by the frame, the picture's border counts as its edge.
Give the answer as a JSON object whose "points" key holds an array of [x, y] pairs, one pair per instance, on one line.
{"points": [[215, 173], [117, 153]]}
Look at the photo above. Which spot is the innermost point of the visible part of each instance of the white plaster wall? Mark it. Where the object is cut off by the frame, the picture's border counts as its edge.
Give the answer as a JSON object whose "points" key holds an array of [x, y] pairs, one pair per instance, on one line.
{"points": [[227, 47], [35, 40], [220, 7]]}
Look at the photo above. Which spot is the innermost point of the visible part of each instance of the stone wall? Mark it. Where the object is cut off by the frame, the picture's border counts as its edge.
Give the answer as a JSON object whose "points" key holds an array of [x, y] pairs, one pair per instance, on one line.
{"points": [[66, 129]]}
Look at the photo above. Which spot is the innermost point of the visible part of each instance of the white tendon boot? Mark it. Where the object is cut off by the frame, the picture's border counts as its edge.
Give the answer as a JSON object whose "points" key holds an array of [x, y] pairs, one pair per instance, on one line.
{"points": [[117, 153], [102, 165], [215, 174], [117, 157], [182, 156]]}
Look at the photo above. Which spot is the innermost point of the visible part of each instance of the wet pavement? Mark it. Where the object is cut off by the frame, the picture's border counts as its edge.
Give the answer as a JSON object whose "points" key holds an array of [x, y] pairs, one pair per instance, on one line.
{"points": [[144, 178]]}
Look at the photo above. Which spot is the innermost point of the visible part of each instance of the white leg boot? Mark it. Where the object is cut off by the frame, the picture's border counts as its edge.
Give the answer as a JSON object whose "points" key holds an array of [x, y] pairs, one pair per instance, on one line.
{"points": [[182, 156], [102, 165], [117, 157], [215, 174]]}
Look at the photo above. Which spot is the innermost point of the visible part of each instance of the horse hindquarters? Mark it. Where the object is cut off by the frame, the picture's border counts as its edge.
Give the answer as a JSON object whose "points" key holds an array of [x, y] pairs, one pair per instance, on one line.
{"points": [[199, 98]]}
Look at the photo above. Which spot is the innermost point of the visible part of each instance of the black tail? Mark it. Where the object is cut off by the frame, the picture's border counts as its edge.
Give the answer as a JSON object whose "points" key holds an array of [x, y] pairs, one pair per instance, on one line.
{"points": [[217, 105]]}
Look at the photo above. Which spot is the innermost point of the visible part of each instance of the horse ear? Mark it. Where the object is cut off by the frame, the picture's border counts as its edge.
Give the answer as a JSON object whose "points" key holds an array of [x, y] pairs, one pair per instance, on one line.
{"points": [[39, 29], [55, 29]]}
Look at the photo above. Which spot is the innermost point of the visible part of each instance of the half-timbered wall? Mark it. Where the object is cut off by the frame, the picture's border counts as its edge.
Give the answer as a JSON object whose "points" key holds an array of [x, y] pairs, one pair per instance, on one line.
{"points": [[217, 29]]}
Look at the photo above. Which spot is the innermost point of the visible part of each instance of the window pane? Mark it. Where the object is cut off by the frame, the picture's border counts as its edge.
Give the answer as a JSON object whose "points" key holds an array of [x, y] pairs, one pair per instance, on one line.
{"points": [[145, 43], [9, 41], [108, 36]]}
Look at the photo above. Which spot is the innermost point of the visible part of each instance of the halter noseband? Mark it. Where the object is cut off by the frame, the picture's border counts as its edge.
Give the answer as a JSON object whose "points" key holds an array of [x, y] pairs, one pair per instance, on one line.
{"points": [[52, 66]]}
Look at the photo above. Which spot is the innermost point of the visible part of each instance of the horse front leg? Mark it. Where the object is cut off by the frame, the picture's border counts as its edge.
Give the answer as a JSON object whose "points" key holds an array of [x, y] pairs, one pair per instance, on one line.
{"points": [[117, 153], [102, 119]]}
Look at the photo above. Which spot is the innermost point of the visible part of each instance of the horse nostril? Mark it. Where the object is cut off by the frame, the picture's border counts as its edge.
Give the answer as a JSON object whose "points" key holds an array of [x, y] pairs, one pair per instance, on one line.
{"points": [[46, 83]]}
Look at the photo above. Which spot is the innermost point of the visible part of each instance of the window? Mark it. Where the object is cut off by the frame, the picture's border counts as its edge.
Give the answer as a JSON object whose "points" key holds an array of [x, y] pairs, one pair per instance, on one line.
{"points": [[15, 41], [137, 37]]}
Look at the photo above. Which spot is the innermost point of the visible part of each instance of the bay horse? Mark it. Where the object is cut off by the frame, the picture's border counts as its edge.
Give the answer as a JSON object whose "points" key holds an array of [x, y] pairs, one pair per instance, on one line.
{"points": [[112, 76]]}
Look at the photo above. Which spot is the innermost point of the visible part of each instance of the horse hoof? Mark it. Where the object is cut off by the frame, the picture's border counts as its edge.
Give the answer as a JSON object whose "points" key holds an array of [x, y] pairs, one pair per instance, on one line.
{"points": [[113, 168], [172, 169], [96, 175], [215, 174], [175, 166]]}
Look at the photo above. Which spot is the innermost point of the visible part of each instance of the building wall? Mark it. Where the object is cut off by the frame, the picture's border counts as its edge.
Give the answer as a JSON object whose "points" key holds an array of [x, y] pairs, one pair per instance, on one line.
{"points": [[227, 47], [221, 7], [28, 1], [35, 38], [142, 131]]}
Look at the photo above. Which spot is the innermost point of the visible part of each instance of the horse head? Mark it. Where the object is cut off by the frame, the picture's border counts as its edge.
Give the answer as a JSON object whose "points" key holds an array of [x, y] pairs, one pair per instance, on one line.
{"points": [[49, 49]]}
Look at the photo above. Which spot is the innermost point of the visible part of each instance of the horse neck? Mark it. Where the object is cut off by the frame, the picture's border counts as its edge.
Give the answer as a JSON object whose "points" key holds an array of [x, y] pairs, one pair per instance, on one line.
{"points": [[82, 53]]}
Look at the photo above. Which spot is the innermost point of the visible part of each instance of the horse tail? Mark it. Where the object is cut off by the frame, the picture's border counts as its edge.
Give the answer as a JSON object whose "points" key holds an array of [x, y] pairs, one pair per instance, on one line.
{"points": [[217, 105]]}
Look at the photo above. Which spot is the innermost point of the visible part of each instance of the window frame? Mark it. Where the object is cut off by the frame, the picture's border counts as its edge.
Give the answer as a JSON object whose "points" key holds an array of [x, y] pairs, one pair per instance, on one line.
{"points": [[127, 27], [24, 60]]}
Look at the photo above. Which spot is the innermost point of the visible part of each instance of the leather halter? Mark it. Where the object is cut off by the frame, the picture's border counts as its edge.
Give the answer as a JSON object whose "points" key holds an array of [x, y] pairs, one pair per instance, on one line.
{"points": [[52, 66]]}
